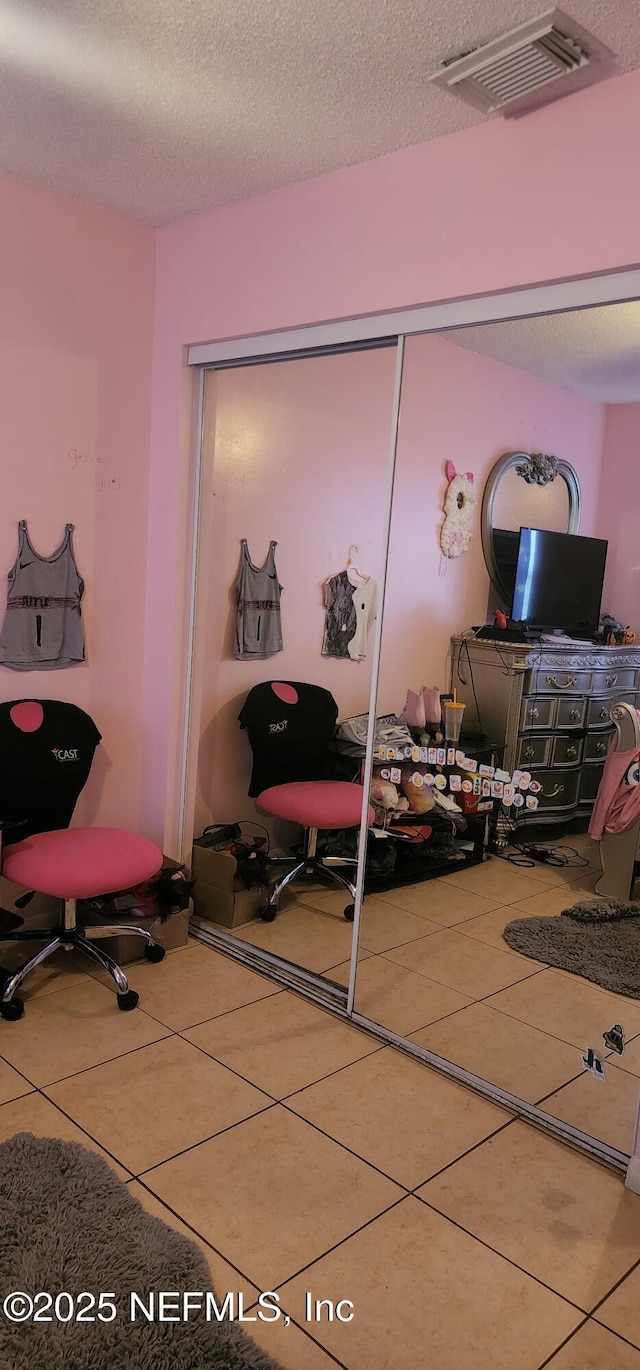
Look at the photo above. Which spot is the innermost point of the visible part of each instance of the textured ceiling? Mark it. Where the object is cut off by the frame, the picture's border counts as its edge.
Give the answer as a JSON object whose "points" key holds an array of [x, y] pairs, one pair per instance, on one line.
{"points": [[161, 108], [593, 351]]}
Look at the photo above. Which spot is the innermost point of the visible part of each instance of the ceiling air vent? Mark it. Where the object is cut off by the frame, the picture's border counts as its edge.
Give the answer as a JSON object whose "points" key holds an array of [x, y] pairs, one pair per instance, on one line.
{"points": [[524, 66]]}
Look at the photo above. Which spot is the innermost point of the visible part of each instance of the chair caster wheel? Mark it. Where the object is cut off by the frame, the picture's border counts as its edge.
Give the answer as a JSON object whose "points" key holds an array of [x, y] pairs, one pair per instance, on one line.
{"points": [[269, 913], [129, 1000], [350, 913], [13, 1010], [154, 952]]}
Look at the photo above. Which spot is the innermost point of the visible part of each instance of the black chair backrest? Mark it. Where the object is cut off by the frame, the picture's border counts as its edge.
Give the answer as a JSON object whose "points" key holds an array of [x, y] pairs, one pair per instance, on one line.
{"points": [[46, 751], [291, 727]]}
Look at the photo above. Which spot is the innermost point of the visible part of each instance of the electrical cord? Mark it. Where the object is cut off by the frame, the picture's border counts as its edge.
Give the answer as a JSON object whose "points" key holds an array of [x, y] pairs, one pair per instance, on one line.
{"points": [[529, 854]]}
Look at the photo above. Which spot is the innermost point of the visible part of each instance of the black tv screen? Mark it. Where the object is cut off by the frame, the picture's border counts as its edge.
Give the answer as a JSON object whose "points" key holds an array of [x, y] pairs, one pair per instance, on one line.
{"points": [[559, 580]]}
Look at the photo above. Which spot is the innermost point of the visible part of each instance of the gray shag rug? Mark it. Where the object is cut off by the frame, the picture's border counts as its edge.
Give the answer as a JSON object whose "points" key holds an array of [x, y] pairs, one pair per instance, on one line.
{"points": [[69, 1225], [598, 939]]}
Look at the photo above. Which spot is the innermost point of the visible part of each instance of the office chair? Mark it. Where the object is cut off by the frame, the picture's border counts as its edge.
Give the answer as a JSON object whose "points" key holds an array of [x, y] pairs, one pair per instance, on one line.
{"points": [[46, 751], [291, 728]]}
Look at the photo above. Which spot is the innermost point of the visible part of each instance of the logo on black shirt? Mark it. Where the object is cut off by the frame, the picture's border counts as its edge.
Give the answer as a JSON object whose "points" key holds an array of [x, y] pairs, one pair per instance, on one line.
{"points": [[65, 754], [278, 727]]}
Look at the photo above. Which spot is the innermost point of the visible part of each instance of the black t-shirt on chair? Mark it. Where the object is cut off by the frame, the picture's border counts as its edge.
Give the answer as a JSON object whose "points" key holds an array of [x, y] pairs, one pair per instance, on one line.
{"points": [[291, 726], [47, 748]]}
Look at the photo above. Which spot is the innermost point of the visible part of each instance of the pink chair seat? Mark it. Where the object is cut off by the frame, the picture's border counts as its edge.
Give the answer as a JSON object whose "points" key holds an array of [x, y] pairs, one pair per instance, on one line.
{"points": [[78, 863], [315, 803]]}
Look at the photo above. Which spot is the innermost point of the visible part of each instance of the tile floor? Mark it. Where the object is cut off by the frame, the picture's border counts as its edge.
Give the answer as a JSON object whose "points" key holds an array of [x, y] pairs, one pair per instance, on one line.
{"points": [[433, 965], [303, 1156]]}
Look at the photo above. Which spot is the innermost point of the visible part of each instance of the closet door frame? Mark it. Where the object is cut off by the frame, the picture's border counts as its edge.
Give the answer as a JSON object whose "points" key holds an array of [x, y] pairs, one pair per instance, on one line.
{"points": [[378, 329]]}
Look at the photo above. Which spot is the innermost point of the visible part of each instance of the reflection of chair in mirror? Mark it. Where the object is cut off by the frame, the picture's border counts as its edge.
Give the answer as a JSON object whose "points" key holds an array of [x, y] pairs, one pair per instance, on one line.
{"points": [[291, 729], [616, 816]]}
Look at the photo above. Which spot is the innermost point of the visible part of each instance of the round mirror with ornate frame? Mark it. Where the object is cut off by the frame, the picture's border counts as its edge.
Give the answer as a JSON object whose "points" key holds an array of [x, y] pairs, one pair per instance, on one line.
{"points": [[525, 490]]}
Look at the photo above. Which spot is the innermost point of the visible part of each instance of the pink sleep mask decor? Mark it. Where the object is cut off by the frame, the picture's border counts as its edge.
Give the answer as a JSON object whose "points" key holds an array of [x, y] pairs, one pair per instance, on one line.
{"points": [[459, 506]]}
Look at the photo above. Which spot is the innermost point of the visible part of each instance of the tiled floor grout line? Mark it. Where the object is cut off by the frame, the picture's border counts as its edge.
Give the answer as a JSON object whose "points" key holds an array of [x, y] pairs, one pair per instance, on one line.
{"points": [[564, 1343], [308, 1265], [138, 1179], [211, 1137], [461, 1228], [322, 1348], [558, 1090], [476, 1147], [622, 1279], [130, 1051], [392, 1180], [249, 1279], [384, 956], [580, 1328], [64, 1113], [21, 1073], [613, 1332], [342, 1241], [277, 1098]]}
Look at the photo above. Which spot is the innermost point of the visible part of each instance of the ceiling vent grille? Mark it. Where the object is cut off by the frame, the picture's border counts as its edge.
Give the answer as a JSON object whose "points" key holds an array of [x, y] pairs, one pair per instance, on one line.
{"points": [[523, 67]]}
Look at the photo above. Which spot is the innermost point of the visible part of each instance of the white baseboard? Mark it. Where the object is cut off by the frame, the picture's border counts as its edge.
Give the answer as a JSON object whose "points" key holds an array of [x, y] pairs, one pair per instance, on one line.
{"points": [[632, 1180]]}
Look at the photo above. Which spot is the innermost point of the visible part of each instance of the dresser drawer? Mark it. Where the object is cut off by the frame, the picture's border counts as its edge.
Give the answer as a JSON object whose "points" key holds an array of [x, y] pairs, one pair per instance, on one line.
{"points": [[589, 783], [559, 791], [596, 746], [624, 679], [537, 713], [548, 681], [599, 711], [533, 751], [571, 712], [567, 751]]}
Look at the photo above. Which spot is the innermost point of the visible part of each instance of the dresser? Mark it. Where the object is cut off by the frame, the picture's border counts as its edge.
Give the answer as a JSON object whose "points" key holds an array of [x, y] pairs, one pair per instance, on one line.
{"points": [[547, 707]]}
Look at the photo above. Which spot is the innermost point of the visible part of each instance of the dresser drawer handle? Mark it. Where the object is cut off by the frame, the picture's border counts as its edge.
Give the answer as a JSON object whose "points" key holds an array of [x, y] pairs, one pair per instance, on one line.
{"points": [[572, 753], [601, 748], [529, 753], [612, 680], [553, 680], [534, 713], [575, 714], [604, 712], [551, 794]]}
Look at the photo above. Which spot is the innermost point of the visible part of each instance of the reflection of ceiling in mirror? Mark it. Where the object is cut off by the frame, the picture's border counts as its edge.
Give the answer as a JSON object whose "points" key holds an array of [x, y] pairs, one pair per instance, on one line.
{"points": [[518, 505], [593, 351]]}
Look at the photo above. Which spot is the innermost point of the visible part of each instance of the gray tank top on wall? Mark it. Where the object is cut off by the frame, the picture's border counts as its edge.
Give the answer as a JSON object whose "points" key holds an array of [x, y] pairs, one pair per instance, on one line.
{"points": [[258, 627], [43, 629]]}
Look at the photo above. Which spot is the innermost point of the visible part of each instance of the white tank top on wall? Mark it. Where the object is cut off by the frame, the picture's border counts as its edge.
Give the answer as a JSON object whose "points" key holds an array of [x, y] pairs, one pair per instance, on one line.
{"points": [[43, 629]]}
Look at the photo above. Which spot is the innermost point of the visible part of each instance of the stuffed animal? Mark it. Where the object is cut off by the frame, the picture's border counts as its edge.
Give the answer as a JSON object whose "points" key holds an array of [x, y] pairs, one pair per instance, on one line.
{"points": [[459, 504], [419, 796], [384, 795]]}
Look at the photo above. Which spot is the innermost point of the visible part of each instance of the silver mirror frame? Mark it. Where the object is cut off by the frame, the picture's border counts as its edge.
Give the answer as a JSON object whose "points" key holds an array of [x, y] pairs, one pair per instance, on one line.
{"points": [[536, 469]]}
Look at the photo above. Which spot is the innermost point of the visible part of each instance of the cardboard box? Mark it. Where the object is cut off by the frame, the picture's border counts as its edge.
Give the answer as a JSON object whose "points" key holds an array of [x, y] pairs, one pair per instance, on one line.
{"points": [[213, 894], [171, 934]]}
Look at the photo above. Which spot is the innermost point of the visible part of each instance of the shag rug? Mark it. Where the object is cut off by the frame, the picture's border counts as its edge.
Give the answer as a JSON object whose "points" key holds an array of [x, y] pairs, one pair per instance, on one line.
{"points": [[69, 1225], [598, 939]]}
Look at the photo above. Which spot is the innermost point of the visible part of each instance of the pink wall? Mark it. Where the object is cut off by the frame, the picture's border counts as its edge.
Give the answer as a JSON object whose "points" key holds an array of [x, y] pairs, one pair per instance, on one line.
{"points": [[76, 285], [507, 203], [619, 513], [301, 454]]}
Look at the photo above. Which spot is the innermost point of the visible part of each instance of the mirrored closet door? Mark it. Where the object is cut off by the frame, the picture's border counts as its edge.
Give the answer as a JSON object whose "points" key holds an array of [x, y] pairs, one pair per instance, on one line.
{"points": [[476, 962], [292, 522]]}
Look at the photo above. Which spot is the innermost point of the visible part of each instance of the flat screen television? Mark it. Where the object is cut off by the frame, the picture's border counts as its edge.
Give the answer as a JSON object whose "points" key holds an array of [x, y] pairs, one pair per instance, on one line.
{"points": [[558, 581]]}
